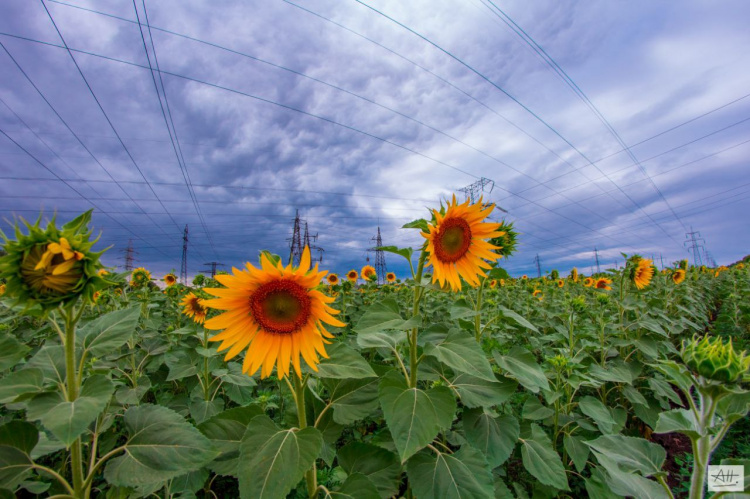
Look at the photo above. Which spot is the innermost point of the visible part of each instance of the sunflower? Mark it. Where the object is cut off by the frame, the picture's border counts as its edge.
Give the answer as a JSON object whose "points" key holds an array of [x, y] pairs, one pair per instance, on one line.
{"points": [[390, 277], [194, 308], [524, 277], [740, 265], [170, 279], [678, 276], [2, 289], [102, 272], [96, 296], [493, 283], [537, 292], [456, 243], [276, 313], [352, 275], [332, 279], [502, 283], [574, 274], [368, 273], [603, 283], [588, 282], [139, 277], [560, 283], [643, 273]]}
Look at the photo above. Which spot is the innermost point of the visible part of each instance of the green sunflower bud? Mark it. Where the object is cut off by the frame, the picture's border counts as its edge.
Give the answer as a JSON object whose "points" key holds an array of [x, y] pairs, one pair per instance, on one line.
{"points": [[578, 304], [713, 359], [52, 267], [558, 361], [602, 299]]}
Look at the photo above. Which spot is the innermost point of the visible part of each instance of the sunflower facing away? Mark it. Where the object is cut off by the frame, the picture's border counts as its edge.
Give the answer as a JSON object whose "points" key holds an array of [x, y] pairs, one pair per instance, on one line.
{"points": [[643, 274], [368, 273], [574, 274], [603, 283], [193, 308], [678, 276], [276, 313], [170, 279], [352, 275], [588, 282], [456, 243], [332, 279]]}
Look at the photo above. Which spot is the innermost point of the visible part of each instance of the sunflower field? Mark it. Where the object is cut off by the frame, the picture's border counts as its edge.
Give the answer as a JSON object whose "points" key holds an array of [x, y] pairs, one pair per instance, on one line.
{"points": [[283, 380]]}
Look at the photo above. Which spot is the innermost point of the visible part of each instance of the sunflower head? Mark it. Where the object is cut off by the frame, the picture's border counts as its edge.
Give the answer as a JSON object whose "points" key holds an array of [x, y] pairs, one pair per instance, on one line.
{"points": [[524, 277], [368, 273], [603, 283], [578, 304], [140, 278], [456, 243], [192, 307], [588, 282], [502, 283], [714, 359], [170, 279], [740, 265], [2, 289], [560, 283], [684, 264], [332, 279], [275, 313], [493, 283], [390, 277], [174, 291], [642, 271], [678, 276], [554, 275], [51, 266], [574, 275], [352, 275], [507, 242], [537, 292]]}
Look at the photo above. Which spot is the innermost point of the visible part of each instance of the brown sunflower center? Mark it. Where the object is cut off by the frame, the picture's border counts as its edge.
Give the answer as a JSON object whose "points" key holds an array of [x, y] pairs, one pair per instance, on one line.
{"points": [[453, 240], [281, 307]]}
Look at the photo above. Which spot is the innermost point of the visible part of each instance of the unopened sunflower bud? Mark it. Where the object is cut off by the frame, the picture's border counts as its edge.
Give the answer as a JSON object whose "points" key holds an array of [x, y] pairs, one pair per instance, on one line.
{"points": [[578, 304], [558, 361], [713, 359], [602, 299]]}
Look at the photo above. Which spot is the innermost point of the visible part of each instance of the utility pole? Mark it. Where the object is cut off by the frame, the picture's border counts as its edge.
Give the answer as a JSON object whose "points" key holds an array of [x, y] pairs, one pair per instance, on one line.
{"points": [[538, 265], [693, 239], [183, 266], [213, 266], [380, 268], [129, 256], [661, 257], [596, 258]]}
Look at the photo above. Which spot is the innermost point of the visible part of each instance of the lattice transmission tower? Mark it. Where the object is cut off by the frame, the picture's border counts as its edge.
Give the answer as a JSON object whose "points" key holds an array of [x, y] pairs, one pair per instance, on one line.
{"points": [[129, 256], [183, 266], [212, 267], [474, 191], [693, 239], [380, 267], [298, 241]]}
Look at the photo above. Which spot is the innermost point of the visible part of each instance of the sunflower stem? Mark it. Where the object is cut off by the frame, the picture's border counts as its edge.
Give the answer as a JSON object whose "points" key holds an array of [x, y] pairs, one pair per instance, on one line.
{"points": [[299, 398], [72, 387], [413, 360], [478, 310]]}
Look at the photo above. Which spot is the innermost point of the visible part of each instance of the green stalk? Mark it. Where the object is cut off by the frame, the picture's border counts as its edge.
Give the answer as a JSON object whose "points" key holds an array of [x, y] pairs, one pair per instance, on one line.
{"points": [[311, 476], [413, 361], [72, 387], [478, 310]]}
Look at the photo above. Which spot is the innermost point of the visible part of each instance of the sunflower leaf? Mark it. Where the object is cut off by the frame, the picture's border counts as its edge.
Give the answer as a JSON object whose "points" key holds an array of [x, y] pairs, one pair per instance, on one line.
{"points": [[110, 331], [496, 437], [414, 416], [460, 351], [161, 445], [419, 223], [379, 465], [463, 475], [405, 252], [11, 351], [273, 460], [344, 362]]}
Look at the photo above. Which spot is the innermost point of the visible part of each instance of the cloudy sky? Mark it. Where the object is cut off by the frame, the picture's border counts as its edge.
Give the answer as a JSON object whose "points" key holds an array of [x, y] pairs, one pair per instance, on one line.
{"points": [[610, 125]]}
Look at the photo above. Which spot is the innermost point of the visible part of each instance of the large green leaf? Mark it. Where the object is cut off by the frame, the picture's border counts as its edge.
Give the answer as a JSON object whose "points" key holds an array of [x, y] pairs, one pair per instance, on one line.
{"points": [[734, 406], [476, 392], [577, 450], [534, 410], [631, 453], [593, 408], [414, 416], [522, 365], [19, 434], [628, 484], [405, 252], [542, 461], [51, 361], [67, 420], [463, 475], [201, 410], [356, 486], [161, 445], [14, 463], [181, 364], [352, 399], [344, 362], [679, 421], [379, 465], [109, 332], [494, 436], [382, 316], [19, 383], [11, 351], [381, 339], [225, 430], [462, 353], [273, 460], [520, 320]]}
